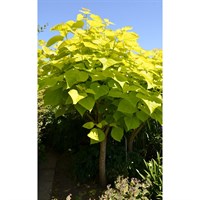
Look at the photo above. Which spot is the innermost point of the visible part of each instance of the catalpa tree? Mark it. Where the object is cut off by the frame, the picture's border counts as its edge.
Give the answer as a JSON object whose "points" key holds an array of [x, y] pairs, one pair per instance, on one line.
{"points": [[102, 73]]}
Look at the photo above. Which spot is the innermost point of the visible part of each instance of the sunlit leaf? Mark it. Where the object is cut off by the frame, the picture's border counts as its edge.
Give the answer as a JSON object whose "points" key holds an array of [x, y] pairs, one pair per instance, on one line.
{"points": [[48, 51], [90, 45], [107, 21], [74, 76], [95, 23], [96, 17], [76, 97], [152, 105], [96, 134], [107, 62], [79, 17]]}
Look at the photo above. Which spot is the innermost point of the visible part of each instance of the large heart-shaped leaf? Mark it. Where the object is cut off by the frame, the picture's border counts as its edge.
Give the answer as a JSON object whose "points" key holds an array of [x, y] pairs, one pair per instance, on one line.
{"points": [[96, 134], [117, 133], [100, 90], [87, 103], [75, 76], [53, 97], [54, 39], [132, 122], [126, 107], [107, 62], [76, 97]]}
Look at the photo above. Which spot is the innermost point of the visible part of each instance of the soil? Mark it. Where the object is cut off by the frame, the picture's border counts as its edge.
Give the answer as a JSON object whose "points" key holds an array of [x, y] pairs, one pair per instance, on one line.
{"points": [[64, 183]]}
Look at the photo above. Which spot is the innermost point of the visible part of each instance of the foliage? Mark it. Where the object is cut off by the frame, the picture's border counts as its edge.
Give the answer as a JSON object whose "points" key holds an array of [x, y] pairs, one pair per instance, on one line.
{"points": [[45, 117], [120, 164], [42, 28], [66, 132], [152, 139], [153, 175], [149, 141], [125, 189], [145, 147], [86, 163], [102, 73], [116, 161], [149, 188]]}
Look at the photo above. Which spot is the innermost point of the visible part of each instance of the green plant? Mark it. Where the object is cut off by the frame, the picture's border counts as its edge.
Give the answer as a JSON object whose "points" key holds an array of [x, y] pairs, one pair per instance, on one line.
{"points": [[66, 132], [116, 161], [105, 75], [153, 135], [86, 163], [42, 28], [125, 189], [45, 117], [149, 141], [153, 175]]}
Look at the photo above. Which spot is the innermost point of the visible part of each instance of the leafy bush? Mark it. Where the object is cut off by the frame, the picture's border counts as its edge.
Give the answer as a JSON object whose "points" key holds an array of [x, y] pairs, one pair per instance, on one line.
{"points": [[149, 140], [153, 176], [86, 163], [134, 162], [149, 188], [117, 164], [116, 161], [65, 132], [45, 117], [147, 144], [153, 132], [125, 189]]}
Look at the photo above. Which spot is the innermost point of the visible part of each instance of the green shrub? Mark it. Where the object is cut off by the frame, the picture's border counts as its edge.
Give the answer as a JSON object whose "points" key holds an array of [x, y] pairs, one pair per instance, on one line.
{"points": [[85, 166], [125, 189], [153, 132], [149, 188], [149, 140], [153, 176], [116, 161], [64, 132], [135, 161], [45, 117]]}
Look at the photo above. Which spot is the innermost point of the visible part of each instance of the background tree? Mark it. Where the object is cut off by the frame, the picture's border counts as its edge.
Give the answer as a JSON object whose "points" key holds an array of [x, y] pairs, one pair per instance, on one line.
{"points": [[104, 74], [42, 28]]}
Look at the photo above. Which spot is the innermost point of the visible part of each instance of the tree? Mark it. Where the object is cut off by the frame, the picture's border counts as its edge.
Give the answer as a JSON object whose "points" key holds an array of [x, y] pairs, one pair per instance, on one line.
{"points": [[42, 28], [104, 74]]}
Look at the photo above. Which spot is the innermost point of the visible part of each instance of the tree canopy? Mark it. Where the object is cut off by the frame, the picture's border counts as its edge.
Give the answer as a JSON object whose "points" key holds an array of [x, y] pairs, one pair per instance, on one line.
{"points": [[102, 73]]}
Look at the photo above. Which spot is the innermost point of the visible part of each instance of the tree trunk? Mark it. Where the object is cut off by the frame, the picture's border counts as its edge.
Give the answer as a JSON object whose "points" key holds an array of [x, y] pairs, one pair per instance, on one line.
{"points": [[102, 160], [132, 137]]}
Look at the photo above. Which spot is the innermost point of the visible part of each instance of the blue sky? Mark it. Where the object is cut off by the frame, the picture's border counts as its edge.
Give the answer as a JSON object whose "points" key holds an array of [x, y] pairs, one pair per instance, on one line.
{"points": [[145, 16]]}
